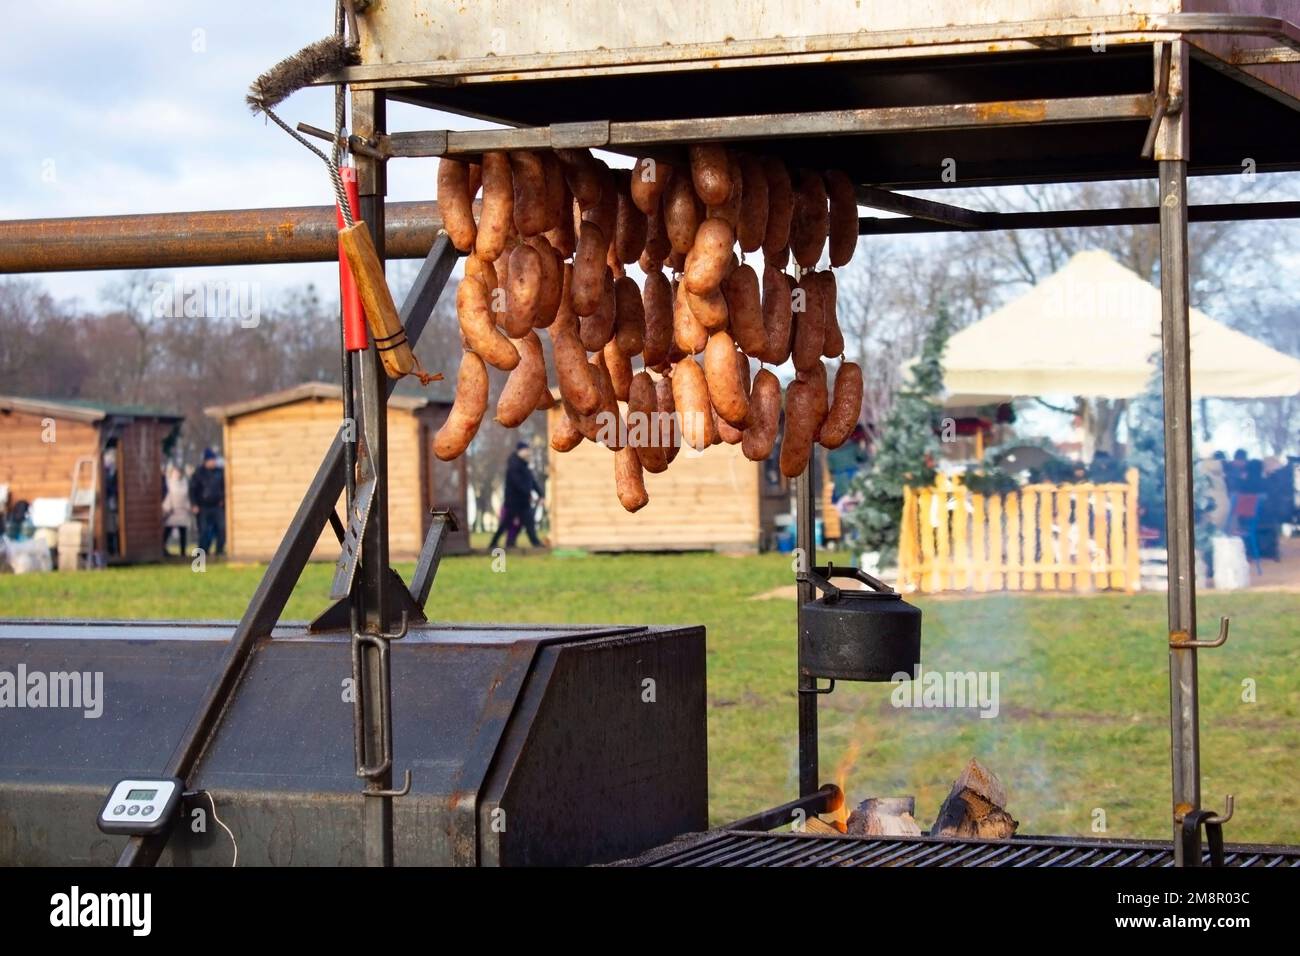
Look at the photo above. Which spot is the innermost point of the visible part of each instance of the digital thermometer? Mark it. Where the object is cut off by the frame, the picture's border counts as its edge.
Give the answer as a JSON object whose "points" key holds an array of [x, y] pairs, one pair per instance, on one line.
{"points": [[140, 807]]}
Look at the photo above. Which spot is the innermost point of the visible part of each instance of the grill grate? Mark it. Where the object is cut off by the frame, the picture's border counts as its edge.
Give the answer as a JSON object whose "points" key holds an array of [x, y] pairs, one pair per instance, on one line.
{"points": [[739, 848]]}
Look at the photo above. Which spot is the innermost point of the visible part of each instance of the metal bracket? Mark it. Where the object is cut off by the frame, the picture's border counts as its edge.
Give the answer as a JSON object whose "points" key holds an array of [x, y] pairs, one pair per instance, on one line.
{"points": [[384, 716], [820, 579], [1185, 639], [1164, 64], [377, 147], [1167, 134], [426, 567], [345, 570], [338, 616], [1190, 834], [814, 689]]}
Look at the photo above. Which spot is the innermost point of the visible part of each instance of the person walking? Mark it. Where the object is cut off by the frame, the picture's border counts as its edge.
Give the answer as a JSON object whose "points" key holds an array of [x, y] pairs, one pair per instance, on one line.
{"points": [[208, 501], [111, 536], [517, 504], [176, 507]]}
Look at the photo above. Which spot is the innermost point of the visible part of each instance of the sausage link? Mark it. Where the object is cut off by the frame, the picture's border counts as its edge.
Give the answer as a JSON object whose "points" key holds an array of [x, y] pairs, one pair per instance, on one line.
{"points": [[466, 410]]}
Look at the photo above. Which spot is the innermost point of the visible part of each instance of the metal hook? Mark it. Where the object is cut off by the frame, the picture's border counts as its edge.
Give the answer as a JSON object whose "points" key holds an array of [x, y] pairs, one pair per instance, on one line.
{"points": [[401, 630], [406, 788], [814, 689], [1184, 638], [1218, 820]]}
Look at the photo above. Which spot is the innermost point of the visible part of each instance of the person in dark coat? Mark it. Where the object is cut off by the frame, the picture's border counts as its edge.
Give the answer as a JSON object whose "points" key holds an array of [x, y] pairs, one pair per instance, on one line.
{"points": [[517, 504], [208, 501]]}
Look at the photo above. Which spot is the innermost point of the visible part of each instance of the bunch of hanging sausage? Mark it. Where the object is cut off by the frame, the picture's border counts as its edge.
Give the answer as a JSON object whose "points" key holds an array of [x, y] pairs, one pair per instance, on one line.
{"points": [[548, 251]]}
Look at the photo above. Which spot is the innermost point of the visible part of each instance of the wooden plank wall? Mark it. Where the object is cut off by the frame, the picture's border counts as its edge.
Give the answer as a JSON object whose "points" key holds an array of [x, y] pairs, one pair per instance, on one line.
{"points": [[704, 501], [34, 468], [1074, 537], [272, 456]]}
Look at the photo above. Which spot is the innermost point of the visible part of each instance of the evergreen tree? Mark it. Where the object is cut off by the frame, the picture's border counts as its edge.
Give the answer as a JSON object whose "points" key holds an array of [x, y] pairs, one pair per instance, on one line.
{"points": [[906, 451], [1146, 453], [1146, 449]]}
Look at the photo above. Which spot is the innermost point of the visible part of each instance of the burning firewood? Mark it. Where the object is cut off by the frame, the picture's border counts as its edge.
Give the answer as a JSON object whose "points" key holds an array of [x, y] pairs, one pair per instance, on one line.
{"points": [[821, 827], [885, 816], [974, 807]]}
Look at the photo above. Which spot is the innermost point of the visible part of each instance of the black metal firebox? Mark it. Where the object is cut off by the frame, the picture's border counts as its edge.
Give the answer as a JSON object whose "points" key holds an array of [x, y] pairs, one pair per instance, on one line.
{"points": [[527, 746]]}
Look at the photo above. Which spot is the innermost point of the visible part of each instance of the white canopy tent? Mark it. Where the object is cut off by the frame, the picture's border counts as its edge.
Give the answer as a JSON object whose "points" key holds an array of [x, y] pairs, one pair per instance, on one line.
{"points": [[1092, 329]]}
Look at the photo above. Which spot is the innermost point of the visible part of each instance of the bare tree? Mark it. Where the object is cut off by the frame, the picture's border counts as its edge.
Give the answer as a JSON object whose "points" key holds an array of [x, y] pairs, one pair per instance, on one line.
{"points": [[141, 299], [39, 348], [890, 294]]}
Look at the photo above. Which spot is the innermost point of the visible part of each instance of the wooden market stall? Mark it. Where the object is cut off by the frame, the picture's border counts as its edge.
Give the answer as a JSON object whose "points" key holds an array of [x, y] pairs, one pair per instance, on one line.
{"points": [[106, 460], [714, 501], [273, 443]]}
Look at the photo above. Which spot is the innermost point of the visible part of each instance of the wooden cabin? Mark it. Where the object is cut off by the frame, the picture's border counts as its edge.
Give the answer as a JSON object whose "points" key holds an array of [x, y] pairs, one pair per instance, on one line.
{"points": [[274, 443], [709, 502], [717, 500], [108, 451]]}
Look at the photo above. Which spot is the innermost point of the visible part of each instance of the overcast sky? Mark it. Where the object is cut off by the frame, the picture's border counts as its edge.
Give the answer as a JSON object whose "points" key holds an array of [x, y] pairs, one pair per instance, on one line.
{"points": [[123, 106], [130, 107]]}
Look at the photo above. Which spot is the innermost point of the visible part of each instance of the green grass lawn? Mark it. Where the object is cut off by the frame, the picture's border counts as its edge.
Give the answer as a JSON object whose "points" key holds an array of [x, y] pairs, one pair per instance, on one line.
{"points": [[1083, 682]]}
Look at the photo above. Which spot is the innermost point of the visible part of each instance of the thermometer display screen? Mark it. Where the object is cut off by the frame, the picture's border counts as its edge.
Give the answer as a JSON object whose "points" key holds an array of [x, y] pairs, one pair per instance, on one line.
{"points": [[141, 794]]}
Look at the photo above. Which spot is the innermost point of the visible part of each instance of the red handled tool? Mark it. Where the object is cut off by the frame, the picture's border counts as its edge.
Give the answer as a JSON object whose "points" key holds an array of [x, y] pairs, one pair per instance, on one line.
{"points": [[354, 319]]}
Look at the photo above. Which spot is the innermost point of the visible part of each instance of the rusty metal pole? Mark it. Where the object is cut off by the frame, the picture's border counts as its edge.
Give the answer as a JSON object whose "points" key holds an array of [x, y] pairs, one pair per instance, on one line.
{"points": [[1171, 151], [368, 118], [805, 493], [240, 237], [227, 237]]}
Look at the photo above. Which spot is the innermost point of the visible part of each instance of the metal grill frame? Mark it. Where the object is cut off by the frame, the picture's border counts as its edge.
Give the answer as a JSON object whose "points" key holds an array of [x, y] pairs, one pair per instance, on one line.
{"points": [[747, 848]]}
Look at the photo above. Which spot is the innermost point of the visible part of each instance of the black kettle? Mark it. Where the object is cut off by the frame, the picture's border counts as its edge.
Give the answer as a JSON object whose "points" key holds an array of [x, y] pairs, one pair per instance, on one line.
{"points": [[869, 635]]}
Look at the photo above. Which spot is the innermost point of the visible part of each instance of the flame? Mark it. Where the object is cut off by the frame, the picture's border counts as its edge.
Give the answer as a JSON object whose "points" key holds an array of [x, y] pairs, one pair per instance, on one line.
{"points": [[840, 815]]}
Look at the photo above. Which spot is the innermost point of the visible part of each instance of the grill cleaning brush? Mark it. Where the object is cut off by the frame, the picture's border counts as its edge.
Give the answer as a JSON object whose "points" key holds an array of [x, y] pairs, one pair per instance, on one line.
{"points": [[271, 89], [302, 69]]}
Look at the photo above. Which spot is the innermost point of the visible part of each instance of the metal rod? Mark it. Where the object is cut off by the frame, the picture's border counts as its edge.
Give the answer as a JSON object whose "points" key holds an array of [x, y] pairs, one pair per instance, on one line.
{"points": [[825, 800], [861, 122], [1069, 218], [426, 568], [308, 234], [368, 111], [806, 543], [227, 237], [957, 217], [233, 237], [1180, 512]]}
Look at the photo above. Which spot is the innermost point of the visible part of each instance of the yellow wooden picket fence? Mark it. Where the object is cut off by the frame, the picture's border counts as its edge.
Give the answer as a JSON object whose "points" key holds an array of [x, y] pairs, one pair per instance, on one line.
{"points": [[1043, 537]]}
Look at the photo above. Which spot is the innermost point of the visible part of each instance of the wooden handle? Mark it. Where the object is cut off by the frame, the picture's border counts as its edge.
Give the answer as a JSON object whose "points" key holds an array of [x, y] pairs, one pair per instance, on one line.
{"points": [[381, 313]]}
